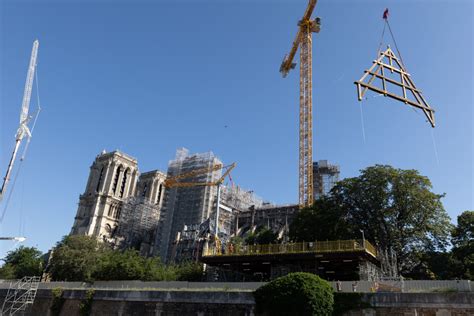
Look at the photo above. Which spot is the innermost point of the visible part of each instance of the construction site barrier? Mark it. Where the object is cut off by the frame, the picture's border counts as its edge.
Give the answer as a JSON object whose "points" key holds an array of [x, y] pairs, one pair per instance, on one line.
{"points": [[301, 247]]}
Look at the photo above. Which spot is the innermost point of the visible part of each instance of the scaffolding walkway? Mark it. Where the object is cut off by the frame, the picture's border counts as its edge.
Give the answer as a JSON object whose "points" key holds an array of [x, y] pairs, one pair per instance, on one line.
{"points": [[302, 247], [20, 294]]}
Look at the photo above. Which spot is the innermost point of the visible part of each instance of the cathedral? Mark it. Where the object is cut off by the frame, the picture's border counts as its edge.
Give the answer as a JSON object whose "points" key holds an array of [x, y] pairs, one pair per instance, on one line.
{"points": [[114, 179]]}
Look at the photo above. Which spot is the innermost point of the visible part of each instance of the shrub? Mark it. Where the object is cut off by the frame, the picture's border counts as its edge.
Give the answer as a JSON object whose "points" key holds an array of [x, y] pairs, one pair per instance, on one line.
{"points": [[295, 294], [190, 271], [57, 302], [86, 304]]}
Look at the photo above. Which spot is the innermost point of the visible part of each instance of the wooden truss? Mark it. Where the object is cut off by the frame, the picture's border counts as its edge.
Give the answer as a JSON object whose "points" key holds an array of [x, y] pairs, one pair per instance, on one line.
{"points": [[387, 64]]}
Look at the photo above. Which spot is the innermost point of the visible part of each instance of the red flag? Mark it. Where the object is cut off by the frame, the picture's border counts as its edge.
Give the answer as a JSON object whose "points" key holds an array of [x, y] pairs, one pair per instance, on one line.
{"points": [[385, 14]]}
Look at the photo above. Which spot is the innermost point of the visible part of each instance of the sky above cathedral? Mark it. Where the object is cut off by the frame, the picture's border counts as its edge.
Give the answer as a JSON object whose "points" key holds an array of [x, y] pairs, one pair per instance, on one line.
{"points": [[148, 77]]}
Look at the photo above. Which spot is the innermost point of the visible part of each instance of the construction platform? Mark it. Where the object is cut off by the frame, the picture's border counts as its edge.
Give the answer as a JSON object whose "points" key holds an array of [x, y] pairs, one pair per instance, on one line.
{"points": [[332, 260]]}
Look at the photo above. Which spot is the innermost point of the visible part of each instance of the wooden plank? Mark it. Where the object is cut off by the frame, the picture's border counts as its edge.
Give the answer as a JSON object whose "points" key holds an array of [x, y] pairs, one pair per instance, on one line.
{"points": [[394, 96], [392, 68], [371, 79], [384, 84], [402, 78], [393, 81]]}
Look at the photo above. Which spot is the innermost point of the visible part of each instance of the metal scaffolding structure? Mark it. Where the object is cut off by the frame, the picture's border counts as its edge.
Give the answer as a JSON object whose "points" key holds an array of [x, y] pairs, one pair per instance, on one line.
{"points": [[190, 242], [240, 199], [137, 225], [20, 295], [187, 205], [325, 176]]}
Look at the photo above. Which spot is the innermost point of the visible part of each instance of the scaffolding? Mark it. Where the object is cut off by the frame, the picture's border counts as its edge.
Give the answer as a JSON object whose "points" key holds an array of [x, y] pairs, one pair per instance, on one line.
{"points": [[187, 205], [325, 176], [20, 295], [274, 217], [137, 225], [332, 246], [240, 199]]}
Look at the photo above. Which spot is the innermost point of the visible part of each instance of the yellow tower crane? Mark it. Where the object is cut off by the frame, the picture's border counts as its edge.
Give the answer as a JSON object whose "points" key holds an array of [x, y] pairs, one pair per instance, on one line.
{"points": [[306, 26]]}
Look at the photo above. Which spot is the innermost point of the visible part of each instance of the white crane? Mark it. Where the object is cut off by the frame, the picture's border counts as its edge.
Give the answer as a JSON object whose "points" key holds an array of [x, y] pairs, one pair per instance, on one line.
{"points": [[17, 239], [23, 129]]}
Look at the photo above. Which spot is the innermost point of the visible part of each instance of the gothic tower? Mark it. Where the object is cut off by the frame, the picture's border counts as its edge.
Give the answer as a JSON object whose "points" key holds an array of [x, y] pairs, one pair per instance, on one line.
{"points": [[113, 177], [151, 187]]}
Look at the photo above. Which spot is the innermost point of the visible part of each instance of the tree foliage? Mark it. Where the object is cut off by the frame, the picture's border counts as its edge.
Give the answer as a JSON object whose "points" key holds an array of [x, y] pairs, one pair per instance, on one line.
{"points": [[395, 208], [323, 221], [190, 271], [463, 243], [295, 294], [83, 258], [262, 236], [23, 261], [76, 258], [7, 271]]}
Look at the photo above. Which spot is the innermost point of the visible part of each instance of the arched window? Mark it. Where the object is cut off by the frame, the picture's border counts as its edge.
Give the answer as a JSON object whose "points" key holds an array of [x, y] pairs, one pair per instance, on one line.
{"points": [[108, 229], [117, 175], [145, 187], [160, 189], [124, 182], [100, 179], [119, 211], [110, 210]]}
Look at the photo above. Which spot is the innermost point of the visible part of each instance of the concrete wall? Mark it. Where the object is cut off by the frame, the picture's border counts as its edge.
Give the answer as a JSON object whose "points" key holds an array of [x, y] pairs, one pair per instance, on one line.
{"points": [[346, 286], [237, 302], [143, 303], [417, 304]]}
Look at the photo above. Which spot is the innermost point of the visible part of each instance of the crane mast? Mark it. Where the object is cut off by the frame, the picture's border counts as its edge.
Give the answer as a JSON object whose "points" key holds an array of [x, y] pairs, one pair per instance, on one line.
{"points": [[303, 40], [23, 129]]}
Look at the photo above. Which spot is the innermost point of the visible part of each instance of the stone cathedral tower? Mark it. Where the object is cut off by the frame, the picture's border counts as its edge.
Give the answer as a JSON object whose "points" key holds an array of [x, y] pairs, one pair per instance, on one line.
{"points": [[113, 178]]}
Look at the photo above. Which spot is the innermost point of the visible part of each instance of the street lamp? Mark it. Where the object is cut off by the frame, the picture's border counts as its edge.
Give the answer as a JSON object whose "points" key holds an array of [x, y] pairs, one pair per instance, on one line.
{"points": [[363, 238]]}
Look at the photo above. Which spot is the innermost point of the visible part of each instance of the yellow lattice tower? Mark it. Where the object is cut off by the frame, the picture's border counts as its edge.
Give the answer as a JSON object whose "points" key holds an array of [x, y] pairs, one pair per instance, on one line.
{"points": [[303, 40]]}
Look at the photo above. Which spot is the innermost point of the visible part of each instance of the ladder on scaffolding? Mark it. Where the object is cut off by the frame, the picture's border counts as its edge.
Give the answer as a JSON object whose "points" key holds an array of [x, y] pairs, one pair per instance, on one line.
{"points": [[20, 295]]}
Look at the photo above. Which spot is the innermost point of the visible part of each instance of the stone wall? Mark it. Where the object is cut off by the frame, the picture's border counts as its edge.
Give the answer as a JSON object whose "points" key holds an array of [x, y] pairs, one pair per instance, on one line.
{"points": [[236, 302]]}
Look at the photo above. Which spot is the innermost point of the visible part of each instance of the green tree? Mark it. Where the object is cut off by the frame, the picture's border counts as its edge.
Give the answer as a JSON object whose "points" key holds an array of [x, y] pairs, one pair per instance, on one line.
{"points": [[7, 271], [23, 261], [295, 294], [463, 243], [395, 208], [262, 236], [76, 258], [190, 271], [437, 265], [117, 265], [307, 226]]}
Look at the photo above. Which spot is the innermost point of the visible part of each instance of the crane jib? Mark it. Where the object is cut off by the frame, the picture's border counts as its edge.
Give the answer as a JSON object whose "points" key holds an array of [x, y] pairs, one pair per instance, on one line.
{"points": [[29, 84], [287, 63]]}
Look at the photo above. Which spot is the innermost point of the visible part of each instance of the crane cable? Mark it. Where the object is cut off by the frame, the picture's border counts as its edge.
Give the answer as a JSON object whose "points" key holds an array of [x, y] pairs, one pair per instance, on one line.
{"points": [[36, 114], [395, 42], [435, 148]]}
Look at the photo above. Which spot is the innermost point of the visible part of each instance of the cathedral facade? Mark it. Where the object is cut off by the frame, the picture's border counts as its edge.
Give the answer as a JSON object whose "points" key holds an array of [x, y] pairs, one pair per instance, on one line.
{"points": [[113, 179]]}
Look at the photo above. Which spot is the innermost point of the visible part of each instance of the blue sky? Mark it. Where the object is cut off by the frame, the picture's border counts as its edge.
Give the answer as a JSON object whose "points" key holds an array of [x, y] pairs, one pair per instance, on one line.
{"points": [[147, 77]]}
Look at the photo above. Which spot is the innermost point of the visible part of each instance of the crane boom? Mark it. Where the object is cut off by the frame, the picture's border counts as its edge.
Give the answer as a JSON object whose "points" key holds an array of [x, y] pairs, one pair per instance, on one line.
{"points": [[25, 106], [303, 40], [174, 183], [23, 129], [287, 63]]}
